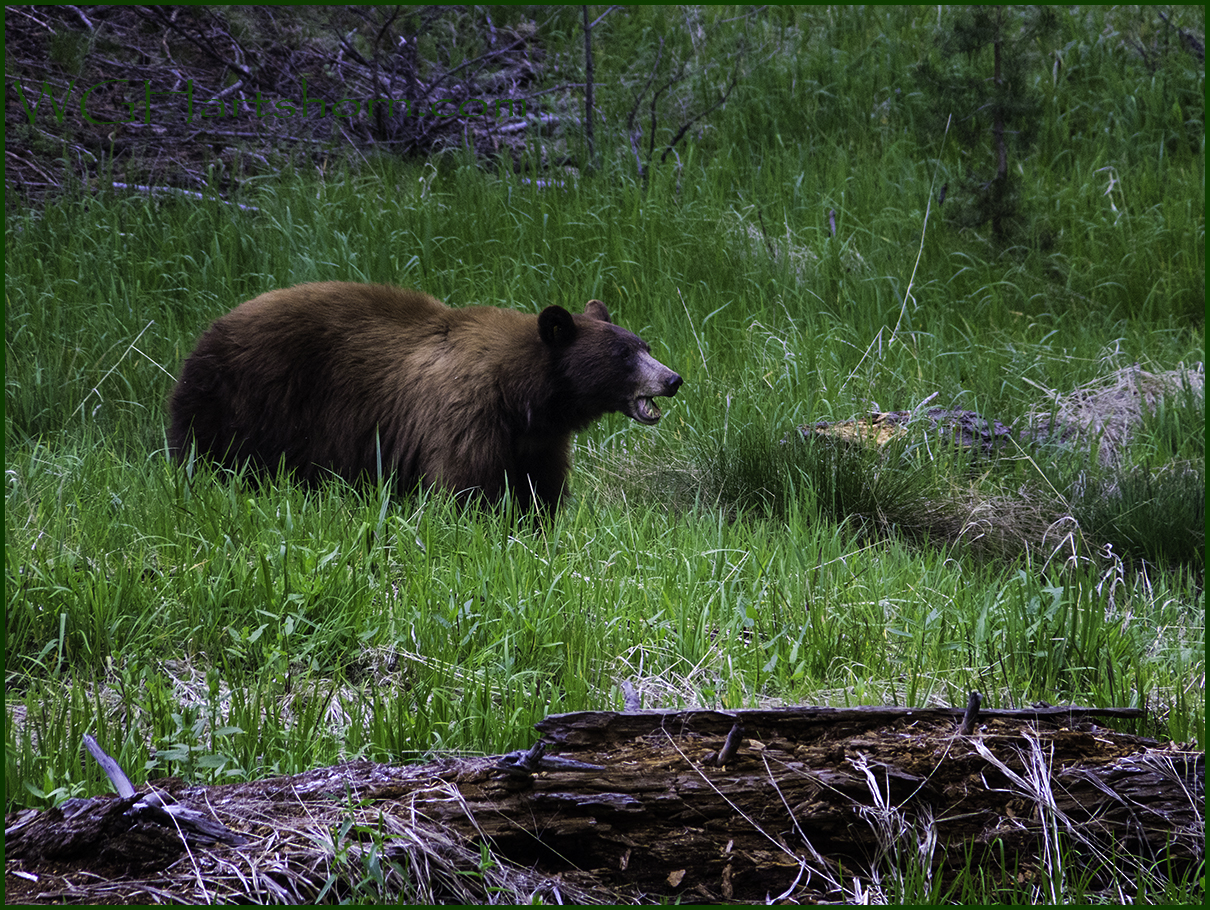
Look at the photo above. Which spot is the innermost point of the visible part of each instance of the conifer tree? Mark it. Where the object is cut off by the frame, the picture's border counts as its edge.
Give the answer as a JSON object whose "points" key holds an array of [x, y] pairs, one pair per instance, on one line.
{"points": [[981, 75]]}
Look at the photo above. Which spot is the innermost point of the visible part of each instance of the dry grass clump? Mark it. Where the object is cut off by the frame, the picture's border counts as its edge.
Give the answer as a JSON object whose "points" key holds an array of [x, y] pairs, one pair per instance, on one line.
{"points": [[1108, 411]]}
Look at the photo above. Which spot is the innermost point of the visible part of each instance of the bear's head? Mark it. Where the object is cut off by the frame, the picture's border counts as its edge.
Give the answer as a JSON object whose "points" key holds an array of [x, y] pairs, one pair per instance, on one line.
{"points": [[602, 367]]}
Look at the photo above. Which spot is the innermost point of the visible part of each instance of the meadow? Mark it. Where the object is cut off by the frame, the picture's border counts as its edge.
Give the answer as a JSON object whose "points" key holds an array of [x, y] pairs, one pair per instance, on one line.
{"points": [[204, 626]]}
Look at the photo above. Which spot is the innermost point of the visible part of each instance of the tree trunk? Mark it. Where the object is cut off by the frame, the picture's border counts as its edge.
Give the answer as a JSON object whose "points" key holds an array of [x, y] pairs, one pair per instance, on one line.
{"points": [[589, 112], [998, 127], [800, 803]]}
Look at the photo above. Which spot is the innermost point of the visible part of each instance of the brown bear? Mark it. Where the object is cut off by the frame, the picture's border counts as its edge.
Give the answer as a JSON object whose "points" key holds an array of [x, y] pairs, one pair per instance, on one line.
{"points": [[365, 380]]}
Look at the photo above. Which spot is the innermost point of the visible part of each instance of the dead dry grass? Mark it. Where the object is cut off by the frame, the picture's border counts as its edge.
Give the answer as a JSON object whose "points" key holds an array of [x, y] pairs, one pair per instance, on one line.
{"points": [[1107, 412]]}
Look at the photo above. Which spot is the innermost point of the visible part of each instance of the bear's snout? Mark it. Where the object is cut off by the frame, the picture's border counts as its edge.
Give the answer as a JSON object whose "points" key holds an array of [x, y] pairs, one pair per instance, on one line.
{"points": [[655, 381]]}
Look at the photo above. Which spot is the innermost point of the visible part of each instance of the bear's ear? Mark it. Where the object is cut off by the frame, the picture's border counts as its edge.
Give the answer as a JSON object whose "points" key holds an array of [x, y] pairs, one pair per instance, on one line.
{"points": [[556, 327], [594, 309]]}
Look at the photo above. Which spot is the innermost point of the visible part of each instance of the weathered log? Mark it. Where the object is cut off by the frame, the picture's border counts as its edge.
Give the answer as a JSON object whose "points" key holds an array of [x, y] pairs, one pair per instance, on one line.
{"points": [[800, 803]]}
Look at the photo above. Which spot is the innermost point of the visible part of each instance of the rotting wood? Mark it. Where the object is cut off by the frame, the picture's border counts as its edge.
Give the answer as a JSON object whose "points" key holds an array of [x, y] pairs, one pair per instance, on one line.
{"points": [[625, 806]]}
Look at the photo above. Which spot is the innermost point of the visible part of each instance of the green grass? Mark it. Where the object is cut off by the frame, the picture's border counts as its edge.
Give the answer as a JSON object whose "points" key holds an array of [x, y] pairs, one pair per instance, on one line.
{"points": [[201, 625]]}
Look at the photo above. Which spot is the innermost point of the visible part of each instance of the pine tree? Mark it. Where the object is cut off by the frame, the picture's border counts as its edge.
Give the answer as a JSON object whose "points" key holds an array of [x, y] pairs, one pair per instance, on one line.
{"points": [[982, 79]]}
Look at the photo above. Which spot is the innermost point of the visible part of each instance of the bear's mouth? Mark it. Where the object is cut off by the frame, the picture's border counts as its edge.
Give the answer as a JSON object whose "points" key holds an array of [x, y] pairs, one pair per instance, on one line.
{"points": [[643, 410]]}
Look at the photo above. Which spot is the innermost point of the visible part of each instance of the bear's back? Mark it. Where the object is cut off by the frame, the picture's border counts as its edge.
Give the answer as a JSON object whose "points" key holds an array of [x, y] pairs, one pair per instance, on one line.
{"points": [[340, 303]]}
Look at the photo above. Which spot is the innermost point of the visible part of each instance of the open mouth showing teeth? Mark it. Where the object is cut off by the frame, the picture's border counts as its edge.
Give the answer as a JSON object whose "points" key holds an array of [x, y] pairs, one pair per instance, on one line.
{"points": [[644, 410]]}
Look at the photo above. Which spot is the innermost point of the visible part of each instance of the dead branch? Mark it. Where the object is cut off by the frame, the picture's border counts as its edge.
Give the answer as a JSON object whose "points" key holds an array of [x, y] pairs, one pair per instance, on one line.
{"points": [[247, 83], [722, 99], [194, 36]]}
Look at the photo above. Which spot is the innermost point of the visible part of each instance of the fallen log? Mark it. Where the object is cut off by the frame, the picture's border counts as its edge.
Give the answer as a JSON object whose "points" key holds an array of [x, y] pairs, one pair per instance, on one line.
{"points": [[794, 803]]}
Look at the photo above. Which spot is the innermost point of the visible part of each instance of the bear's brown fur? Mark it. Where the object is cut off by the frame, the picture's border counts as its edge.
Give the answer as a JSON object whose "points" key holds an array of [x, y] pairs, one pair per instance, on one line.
{"points": [[354, 379]]}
